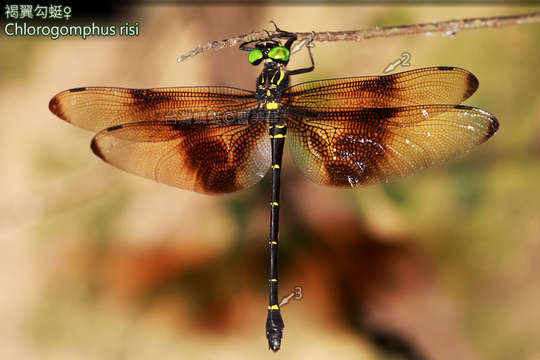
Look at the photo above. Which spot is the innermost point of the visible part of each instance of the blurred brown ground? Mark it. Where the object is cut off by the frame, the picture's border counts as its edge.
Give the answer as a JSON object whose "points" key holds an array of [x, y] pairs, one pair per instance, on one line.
{"points": [[100, 264]]}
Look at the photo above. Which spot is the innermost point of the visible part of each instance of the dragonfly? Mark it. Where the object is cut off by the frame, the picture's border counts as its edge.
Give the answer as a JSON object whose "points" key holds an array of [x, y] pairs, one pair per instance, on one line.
{"points": [[343, 132]]}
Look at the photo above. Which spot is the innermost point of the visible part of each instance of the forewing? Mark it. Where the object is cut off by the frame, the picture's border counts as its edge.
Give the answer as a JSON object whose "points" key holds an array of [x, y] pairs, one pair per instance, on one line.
{"points": [[207, 158], [350, 148], [435, 85], [97, 108]]}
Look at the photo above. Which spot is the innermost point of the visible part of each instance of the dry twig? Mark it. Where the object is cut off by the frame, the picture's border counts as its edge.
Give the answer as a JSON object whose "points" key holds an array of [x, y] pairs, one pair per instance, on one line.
{"points": [[450, 27]]}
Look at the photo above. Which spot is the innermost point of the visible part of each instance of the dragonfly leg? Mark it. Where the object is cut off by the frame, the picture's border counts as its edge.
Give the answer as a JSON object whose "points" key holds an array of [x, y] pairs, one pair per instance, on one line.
{"points": [[308, 69]]}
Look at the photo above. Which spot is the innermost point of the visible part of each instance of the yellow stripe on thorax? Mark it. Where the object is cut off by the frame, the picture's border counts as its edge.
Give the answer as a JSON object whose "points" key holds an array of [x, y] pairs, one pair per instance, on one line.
{"points": [[281, 76]]}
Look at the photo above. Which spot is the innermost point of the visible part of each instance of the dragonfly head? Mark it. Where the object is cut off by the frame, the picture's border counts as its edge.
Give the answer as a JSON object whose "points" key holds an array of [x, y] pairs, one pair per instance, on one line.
{"points": [[270, 51]]}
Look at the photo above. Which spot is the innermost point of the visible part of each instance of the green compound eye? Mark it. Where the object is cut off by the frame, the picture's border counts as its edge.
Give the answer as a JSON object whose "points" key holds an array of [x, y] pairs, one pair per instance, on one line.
{"points": [[255, 56], [279, 53]]}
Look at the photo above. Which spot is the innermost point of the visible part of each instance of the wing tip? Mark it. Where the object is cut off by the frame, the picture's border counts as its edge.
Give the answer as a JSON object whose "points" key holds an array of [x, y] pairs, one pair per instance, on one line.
{"points": [[493, 126], [472, 84], [471, 81], [56, 108], [96, 149], [55, 104]]}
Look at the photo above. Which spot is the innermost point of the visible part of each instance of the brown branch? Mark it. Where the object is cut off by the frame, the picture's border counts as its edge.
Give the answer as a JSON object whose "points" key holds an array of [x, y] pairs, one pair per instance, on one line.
{"points": [[450, 27]]}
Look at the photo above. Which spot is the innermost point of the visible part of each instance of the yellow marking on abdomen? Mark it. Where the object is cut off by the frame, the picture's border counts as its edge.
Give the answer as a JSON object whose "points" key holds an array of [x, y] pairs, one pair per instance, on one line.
{"points": [[273, 307], [271, 105], [275, 166], [274, 203]]}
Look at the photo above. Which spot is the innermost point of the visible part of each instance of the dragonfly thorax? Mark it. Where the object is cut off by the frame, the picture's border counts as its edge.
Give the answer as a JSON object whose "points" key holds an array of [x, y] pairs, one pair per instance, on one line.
{"points": [[271, 83]]}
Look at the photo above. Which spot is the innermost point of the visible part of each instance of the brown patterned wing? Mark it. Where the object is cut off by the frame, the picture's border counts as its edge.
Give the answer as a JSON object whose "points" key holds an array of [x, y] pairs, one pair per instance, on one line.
{"points": [[97, 108], [435, 85], [207, 158], [351, 148]]}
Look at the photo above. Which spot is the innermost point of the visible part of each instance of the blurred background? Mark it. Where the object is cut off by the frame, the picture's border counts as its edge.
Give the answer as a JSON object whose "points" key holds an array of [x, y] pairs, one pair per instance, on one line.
{"points": [[100, 264]]}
